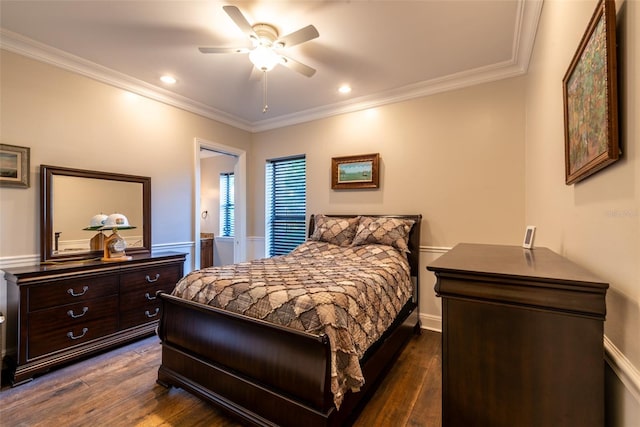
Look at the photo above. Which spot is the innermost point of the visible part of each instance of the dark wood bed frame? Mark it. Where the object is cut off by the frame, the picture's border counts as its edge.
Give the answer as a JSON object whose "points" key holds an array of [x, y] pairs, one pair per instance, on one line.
{"points": [[268, 375]]}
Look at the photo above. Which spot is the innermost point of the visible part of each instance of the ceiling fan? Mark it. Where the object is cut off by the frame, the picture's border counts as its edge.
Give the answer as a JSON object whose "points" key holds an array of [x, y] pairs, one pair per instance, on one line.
{"points": [[266, 45], [265, 53]]}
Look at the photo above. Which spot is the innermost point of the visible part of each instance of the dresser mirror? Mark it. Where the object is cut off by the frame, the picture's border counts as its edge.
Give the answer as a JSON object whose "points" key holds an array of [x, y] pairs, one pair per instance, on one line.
{"points": [[72, 200]]}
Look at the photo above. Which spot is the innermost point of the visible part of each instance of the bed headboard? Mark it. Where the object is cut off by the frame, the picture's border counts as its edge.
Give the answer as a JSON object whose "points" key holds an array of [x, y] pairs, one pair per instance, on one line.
{"points": [[414, 238]]}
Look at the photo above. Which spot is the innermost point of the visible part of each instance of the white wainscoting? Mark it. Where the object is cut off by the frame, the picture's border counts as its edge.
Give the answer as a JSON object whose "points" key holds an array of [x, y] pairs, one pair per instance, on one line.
{"points": [[255, 247], [223, 250], [430, 305], [623, 368]]}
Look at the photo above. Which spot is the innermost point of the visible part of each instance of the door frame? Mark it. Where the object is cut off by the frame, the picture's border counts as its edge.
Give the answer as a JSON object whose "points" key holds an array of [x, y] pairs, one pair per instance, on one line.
{"points": [[240, 198]]}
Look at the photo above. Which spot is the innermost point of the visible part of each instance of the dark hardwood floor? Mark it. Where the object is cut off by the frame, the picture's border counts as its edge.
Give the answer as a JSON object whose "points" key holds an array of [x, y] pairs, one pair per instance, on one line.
{"points": [[118, 388]]}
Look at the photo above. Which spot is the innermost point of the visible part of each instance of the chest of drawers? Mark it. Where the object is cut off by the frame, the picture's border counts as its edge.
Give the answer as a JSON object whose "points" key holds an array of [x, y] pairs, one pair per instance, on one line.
{"points": [[522, 338], [65, 312]]}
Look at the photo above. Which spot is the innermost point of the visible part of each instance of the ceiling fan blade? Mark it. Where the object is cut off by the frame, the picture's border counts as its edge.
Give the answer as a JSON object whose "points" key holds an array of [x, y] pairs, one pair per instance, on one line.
{"points": [[302, 35], [239, 19], [301, 68], [223, 49]]}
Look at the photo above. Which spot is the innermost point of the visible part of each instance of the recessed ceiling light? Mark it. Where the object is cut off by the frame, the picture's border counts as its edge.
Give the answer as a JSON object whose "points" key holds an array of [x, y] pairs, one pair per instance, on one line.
{"points": [[344, 89], [168, 79]]}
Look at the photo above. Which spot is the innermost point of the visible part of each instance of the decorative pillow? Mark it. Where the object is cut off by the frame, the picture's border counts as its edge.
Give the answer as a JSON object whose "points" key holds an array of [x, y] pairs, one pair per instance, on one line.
{"points": [[339, 231], [384, 231]]}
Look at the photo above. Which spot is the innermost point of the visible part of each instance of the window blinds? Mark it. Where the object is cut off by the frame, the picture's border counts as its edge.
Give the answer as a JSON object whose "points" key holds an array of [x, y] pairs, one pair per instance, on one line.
{"points": [[286, 191], [227, 206]]}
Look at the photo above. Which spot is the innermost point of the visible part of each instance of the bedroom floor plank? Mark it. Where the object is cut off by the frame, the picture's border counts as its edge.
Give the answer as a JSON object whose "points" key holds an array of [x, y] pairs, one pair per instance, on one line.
{"points": [[118, 388], [429, 410], [399, 393]]}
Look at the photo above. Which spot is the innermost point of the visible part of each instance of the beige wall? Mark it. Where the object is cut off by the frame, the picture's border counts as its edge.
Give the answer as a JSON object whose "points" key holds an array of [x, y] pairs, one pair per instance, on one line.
{"points": [[73, 121], [596, 222], [456, 158], [478, 163]]}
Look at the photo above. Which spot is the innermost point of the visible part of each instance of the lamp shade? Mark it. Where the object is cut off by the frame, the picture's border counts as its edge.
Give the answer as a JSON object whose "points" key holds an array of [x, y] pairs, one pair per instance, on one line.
{"points": [[96, 222], [116, 221], [264, 58]]}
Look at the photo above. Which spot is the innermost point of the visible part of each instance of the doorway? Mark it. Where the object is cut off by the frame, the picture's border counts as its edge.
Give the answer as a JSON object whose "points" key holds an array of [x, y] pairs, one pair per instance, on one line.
{"points": [[211, 160]]}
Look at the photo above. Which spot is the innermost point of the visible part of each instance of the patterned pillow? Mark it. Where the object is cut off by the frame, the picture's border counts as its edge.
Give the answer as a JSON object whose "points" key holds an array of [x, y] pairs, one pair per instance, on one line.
{"points": [[384, 231], [339, 231]]}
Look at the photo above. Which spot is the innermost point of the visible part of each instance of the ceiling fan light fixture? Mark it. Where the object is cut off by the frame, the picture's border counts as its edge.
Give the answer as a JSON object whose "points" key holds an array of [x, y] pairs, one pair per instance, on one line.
{"points": [[264, 58]]}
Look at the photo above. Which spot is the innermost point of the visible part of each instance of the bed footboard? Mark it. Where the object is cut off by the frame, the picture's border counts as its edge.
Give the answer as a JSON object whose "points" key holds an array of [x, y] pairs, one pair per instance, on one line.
{"points": [[262, 373], [240, 363]]}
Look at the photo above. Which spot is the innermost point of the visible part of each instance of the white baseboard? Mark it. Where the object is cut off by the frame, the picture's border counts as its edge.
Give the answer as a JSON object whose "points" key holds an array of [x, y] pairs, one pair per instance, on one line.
{"points": [[623, 368], [430, 322]]}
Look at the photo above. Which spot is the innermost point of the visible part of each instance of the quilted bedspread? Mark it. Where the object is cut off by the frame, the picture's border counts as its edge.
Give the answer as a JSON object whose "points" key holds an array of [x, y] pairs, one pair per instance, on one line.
{"points": [[352, 294]]}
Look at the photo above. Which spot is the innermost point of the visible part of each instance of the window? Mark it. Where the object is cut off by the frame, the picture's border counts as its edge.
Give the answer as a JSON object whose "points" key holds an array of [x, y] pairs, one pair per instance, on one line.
{"points": [[226, 205], [285, 213]]}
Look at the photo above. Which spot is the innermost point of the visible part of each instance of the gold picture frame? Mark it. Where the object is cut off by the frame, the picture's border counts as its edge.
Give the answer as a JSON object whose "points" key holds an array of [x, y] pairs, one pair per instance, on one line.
{"points": [[354, 172], [590, 95], [14, 166]]}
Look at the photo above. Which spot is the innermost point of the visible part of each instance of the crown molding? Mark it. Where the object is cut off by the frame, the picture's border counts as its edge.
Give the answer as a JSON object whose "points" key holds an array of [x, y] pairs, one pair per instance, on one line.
{"points": [[528, 14], [25, 46]]}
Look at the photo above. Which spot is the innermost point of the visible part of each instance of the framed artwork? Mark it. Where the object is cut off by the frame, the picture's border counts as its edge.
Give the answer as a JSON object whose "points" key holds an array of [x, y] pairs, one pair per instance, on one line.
{"points": [[14, 166], [591, 99], [355, 171]]}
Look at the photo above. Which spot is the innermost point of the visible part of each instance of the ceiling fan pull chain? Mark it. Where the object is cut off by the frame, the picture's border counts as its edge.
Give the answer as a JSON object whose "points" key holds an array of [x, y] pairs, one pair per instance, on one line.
{"points": [[264, 92]]}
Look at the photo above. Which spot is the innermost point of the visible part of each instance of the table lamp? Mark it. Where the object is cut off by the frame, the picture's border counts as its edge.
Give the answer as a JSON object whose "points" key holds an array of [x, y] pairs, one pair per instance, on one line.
{"points": [[114, 245]]}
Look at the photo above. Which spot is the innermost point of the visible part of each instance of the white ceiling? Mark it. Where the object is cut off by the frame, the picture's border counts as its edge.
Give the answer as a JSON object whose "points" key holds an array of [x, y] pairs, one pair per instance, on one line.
{"points": [[387, 51]]}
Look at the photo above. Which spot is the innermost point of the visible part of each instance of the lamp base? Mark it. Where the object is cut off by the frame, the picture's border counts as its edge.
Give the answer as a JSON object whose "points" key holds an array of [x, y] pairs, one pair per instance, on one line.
{"points": [[114, 248]]}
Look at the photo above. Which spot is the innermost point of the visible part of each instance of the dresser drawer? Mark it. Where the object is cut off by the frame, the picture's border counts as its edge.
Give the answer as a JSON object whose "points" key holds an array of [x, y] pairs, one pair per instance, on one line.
{"points": [[71, 291], [141, 297], [150, 280], [56, 329], [73, 310], [140, 314]]}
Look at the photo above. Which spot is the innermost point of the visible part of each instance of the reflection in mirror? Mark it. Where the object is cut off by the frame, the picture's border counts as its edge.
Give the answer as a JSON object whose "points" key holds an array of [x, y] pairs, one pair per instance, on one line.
{"points": [[74, 199]]}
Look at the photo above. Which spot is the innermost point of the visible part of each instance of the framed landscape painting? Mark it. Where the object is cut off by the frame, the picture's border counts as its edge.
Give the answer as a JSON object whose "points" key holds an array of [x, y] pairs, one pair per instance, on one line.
{"points": [[591, 99], [14, 166], [355, 171]]}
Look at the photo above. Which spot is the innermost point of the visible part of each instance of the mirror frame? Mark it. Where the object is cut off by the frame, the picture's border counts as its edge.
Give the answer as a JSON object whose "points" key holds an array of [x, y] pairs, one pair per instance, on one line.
{"points": [[46, 215]]}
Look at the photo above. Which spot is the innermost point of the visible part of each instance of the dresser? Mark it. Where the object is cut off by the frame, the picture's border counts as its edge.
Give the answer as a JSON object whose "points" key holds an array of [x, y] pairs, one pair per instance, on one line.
{"points": [[67, 311], [522, 338]]}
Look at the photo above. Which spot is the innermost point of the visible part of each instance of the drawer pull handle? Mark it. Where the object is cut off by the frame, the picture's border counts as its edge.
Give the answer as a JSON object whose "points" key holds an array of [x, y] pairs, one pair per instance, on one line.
{"points": [[154, 314], [84, 332], [75, 316], [71, 292], [149, 297], [150, 280]]}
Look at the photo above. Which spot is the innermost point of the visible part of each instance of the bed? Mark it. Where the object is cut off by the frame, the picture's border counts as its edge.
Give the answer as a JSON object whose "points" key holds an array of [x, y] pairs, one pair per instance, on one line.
{"points": [[295, 368]]}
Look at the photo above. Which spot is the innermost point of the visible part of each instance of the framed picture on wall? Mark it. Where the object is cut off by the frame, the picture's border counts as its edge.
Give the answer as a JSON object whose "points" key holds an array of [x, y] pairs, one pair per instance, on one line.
{"points": [[351, 172], [591, 99], [14, 166]]}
